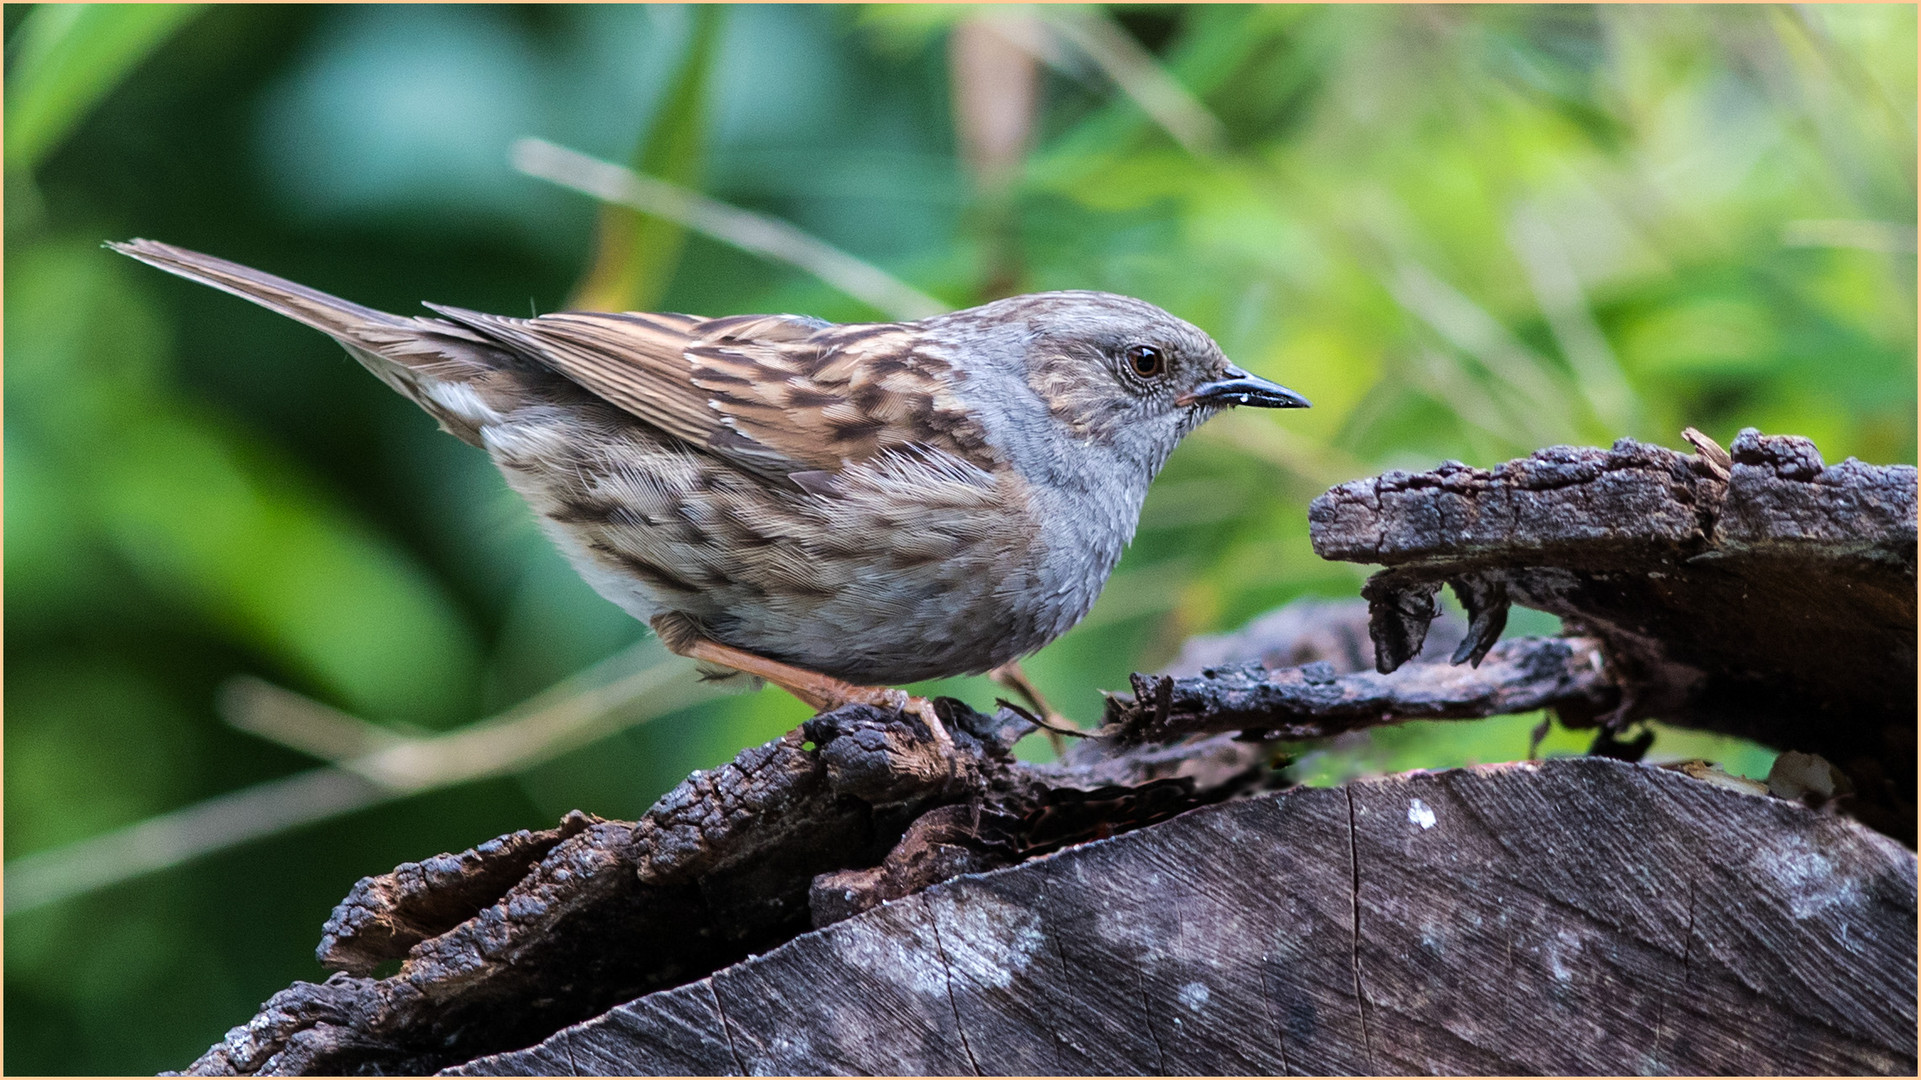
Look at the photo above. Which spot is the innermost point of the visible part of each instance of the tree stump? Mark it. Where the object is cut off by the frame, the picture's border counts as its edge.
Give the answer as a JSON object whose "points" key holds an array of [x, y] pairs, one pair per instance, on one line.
{"points": [[841, 900], [1577, 916]]}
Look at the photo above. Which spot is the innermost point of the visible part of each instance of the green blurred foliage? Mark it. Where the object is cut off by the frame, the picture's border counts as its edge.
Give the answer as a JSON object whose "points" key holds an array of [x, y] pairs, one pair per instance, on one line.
{"points": [[65, 57], [637, 252], [1462, 231]]}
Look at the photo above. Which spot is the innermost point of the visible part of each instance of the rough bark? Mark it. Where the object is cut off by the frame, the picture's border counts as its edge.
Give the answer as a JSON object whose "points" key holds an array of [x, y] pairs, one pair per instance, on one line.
{"points": [[503, 944], [1313, 701], [1577, 916], [1771, 597]]}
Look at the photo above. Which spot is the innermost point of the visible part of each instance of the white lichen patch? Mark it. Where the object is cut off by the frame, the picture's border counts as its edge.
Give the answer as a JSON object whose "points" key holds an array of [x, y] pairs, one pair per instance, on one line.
{"points": [[1806, 878], [987, 941], [902, 952]]}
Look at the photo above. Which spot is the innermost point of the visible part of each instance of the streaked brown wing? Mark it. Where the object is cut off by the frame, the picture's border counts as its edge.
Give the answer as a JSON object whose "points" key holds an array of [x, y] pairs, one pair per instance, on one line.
{"points": [[775, 393], [636, 362], [838, 395]]}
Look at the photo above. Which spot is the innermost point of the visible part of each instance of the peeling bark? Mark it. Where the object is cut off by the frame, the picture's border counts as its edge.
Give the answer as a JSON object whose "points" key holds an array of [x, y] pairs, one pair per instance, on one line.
{"points": [[506, 943], [1313, 701]]}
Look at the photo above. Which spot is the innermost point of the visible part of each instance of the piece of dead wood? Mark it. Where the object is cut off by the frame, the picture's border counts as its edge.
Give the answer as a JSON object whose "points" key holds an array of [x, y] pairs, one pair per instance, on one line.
{"points": [[1313, 701], [1576, 916], [1772, 597], [508, 941], [501, 945]]}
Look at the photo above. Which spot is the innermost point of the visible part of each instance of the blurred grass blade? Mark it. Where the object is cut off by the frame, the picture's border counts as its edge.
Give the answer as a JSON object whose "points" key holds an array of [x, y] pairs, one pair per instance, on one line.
{"points": [[1557, 288], [283, 570], [1318, 464], [46, 877], [1093, 31], [744, 229], [635, 252], [1540, 400], [66, 57], [629, 688], [205, 514], [995, 83], [1890, 236], [1439, 375], [995, 87], [260, 708], [582, 708]]}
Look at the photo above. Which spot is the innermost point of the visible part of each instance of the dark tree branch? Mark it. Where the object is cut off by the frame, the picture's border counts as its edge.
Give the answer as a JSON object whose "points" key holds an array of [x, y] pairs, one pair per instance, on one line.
{"points": [[1313, 701]]}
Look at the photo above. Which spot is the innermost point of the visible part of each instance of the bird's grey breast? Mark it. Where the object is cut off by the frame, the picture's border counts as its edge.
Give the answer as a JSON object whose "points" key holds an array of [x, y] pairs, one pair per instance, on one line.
{"points": [[1084, 500]]}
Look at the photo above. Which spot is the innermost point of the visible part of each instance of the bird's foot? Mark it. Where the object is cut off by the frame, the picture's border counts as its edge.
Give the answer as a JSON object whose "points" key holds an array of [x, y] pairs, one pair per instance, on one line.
{"points": [[885, 697]]}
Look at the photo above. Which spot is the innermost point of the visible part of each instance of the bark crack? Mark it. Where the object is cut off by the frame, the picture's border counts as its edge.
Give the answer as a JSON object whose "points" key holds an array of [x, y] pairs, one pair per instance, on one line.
{"points": [[727, 1029], [1687, 951], [1267, 1007], [1507, 971], [1147, 1019], [947, 968], [1060, 953], [1687, 943], [1360, 992]]}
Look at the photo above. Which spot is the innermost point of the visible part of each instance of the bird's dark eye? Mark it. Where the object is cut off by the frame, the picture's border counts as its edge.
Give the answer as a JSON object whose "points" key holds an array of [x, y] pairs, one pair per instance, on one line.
{"points": [[1146, 360]]}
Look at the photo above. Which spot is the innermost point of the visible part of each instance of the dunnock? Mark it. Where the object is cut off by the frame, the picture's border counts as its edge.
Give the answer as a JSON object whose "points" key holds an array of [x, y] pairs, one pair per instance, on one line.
{"points": [[833, 508]]}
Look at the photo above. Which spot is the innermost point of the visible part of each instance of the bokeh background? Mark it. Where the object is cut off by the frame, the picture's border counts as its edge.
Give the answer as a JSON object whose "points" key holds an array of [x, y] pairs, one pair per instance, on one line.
{"points": [[232, 557]]}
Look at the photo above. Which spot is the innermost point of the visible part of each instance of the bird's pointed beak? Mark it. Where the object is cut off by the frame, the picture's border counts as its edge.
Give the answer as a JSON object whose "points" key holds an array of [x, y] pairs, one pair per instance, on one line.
{"points": [[1242, 388]]}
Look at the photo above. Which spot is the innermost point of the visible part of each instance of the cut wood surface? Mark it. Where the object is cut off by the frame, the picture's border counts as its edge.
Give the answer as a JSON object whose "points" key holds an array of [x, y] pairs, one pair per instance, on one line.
{"points": [[1577, 916]]}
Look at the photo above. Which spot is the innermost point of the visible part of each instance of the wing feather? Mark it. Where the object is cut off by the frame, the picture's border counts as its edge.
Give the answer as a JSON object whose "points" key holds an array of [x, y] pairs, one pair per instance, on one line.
{"points": [[777, 394], [635, 362]]}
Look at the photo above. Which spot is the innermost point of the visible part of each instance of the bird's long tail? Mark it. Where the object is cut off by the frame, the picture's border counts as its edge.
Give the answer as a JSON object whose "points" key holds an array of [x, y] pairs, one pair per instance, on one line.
{"points": [[421, 358], [328, 314]]}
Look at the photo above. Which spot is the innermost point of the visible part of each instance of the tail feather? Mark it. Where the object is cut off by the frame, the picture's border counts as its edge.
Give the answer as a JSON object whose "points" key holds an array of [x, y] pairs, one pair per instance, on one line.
{"points": [[329, 314], [420, 358]]}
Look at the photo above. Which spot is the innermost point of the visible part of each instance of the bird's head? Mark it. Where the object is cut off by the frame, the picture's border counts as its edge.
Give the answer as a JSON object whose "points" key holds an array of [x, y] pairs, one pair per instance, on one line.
{"points": [[1123, 373]]}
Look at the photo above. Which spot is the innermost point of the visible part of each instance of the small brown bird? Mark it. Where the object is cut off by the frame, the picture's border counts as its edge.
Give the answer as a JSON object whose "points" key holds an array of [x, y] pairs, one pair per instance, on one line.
{"points": [[832, 508]]}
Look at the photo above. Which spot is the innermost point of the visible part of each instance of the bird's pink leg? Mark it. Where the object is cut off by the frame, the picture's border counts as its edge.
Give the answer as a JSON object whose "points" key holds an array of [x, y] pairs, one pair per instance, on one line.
{"points": [[820, 692]]}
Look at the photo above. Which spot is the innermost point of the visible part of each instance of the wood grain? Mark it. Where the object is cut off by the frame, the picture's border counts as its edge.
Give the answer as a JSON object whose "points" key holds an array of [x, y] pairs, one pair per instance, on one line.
{"points": [[1578, 916]]}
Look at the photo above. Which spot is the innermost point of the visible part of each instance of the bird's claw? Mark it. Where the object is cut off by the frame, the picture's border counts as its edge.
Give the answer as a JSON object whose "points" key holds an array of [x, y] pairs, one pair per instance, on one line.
{"points": [[901, 701]]}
